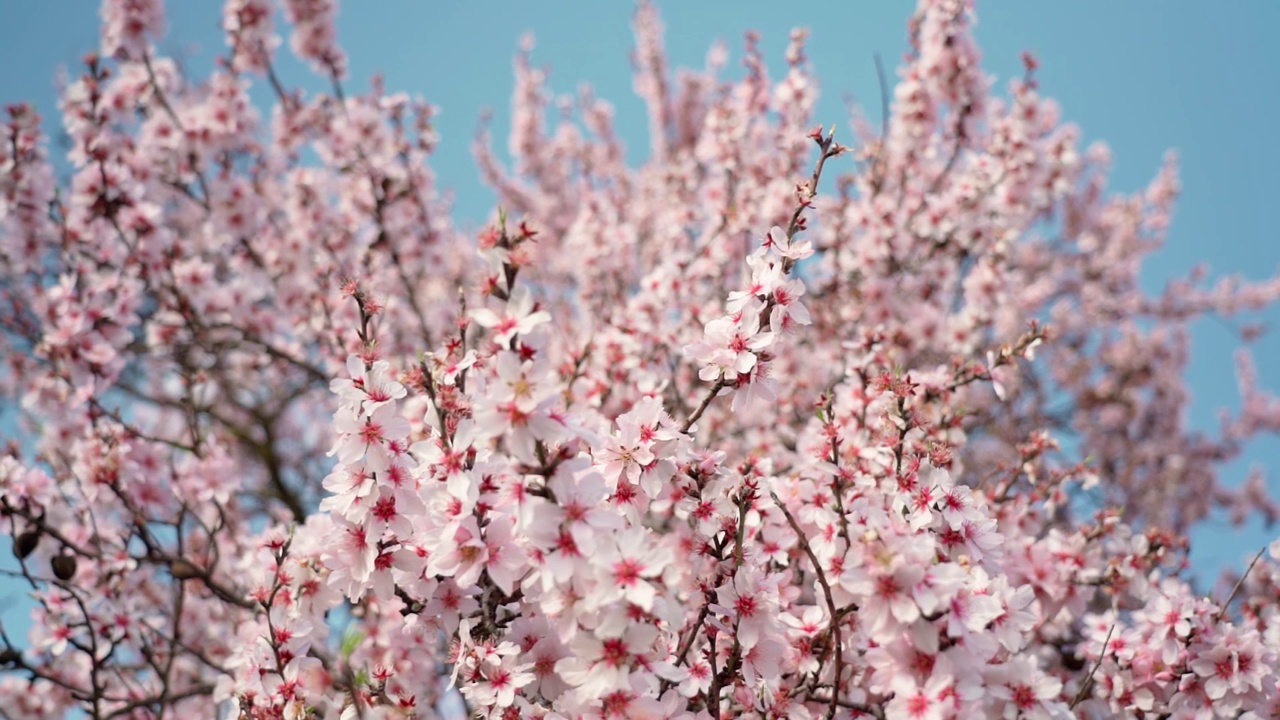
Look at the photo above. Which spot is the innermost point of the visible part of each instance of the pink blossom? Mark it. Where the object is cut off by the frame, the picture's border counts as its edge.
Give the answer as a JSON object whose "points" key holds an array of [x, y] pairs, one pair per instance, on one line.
{"points": [[787, 247], [371, 388], [801, 424], [751, 602], [517, 317], [372, 437]]}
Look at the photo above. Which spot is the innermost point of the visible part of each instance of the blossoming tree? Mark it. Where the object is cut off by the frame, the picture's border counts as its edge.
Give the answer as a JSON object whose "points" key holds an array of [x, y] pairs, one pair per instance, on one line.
{"points": [[784, 423]]}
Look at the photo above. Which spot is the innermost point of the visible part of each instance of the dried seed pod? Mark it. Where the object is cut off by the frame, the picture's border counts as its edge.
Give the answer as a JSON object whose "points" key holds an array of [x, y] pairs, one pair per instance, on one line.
{"points": [[25, 543], [64, 566]]}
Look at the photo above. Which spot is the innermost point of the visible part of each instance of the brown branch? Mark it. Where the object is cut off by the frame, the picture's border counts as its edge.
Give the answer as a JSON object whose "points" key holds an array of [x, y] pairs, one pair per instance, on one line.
{"points": [[829, 149], [715, 389], [1222, 611], [1088, 681], [872, 710], [163, 699], [834, 626]]}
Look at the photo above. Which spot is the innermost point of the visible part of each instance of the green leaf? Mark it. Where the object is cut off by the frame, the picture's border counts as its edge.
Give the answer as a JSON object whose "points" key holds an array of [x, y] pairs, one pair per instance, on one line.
{"points": [[350, 641]]}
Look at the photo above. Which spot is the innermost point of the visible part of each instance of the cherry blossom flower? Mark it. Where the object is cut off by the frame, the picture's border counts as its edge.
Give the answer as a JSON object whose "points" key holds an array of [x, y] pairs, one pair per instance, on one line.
{"points": [[370, 437], [787, 247], [751, 601], [729, 345], [371, 388], [1028, 691], [920, 702], [517, 317]]}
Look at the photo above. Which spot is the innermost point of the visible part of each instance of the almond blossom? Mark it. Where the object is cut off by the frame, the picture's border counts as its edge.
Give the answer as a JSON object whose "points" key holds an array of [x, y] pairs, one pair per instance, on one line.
{"points": [[779, 422]]}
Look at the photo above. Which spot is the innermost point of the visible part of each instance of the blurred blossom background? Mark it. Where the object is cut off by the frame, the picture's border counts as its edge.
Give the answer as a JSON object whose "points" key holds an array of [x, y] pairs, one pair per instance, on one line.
{"points": [[1143, 76]]}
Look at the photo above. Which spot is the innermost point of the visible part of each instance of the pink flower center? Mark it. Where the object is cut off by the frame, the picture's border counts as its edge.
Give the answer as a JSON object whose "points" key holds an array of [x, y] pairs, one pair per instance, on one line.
{"points": [[1024, 697], [614, 652], [627, 571], [566, 544], [385, 509], [887, 586], [371, 433]]}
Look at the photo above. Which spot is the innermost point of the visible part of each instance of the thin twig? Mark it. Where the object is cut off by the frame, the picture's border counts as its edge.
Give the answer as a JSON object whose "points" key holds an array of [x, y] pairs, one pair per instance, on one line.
{"points": [[1222, 611], [1088, 681], [714, 390], [834, 626]]}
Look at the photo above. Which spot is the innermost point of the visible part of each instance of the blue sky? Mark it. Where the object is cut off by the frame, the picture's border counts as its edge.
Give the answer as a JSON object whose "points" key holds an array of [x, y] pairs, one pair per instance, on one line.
{"points": [[1144, 75]]}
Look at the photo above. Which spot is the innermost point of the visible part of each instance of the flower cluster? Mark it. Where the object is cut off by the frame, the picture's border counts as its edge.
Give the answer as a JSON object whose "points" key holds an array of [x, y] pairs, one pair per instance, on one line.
{"points": [[887, 430]]}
